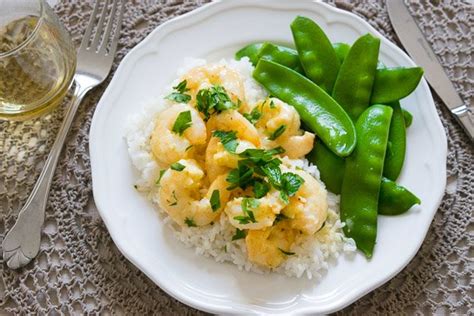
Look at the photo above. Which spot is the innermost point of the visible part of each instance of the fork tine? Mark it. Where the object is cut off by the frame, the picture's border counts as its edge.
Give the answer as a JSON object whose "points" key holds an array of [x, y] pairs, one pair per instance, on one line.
{"points": [[87, 34], [100, 26], [110, 22], [114, 42]]}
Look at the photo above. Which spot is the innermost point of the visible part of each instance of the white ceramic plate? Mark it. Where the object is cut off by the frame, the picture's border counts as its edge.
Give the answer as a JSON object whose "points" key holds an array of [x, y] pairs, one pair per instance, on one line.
{"points": [[218, 30]]}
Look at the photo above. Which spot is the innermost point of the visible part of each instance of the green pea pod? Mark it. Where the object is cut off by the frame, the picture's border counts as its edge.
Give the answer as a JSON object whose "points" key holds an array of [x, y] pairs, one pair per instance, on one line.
{"points": [[363, 175], [397, 142], [316, 108], [250, 51], [395, 199], [408, 118], [281, 55], [393, 84], [319, 60], [353, 86], [341, 49], [331, 167]]}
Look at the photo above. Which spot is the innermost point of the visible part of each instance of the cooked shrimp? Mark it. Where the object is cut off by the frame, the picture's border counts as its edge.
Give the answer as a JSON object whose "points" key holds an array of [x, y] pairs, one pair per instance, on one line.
{"points": [[203, 77], [278, 116], [219, 160], [307, 209], [180, 195], [169, 147], [232, 120], [264, 211], [267, 247]]}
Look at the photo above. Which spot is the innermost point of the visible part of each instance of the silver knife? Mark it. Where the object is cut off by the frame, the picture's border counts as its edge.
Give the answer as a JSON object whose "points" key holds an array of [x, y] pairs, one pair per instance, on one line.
{"points": [[420, 50]]}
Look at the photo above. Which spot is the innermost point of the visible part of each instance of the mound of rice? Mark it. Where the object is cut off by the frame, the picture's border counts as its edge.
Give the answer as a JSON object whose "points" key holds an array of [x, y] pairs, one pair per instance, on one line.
{"points": [[312, 254]]}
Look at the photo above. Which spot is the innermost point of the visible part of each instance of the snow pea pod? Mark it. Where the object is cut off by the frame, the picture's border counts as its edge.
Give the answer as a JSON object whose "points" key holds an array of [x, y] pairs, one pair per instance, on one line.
{"points": [[408, 117], [397, 142], [353, 86], [316, 108], [319, 60], [395, 199], [393, 84], [341, 49], [331, 167], [281, 55], [363, 175], [250, 51]]}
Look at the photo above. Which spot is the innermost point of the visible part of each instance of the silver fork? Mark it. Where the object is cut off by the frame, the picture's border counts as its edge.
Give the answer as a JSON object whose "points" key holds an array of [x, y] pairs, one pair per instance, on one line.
{"points": [[94, 61]]}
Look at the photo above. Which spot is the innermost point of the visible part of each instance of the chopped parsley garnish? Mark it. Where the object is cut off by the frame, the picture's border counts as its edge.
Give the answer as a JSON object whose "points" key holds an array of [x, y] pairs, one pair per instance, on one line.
{"points": [[174, 201], [188, 148], [215, 200], [290, 183], [179, 95], [247, 205], [263, 163], [135, 186], [277, 133], [272, 104], [260, 188], [212, 100], [273, 172], [177, 166], [240, 177], [254, 115], [259, 161], [183, 121], [260, 156], [239, 234], [288, 253], [162, 172], [190, 222], [228, 140]]}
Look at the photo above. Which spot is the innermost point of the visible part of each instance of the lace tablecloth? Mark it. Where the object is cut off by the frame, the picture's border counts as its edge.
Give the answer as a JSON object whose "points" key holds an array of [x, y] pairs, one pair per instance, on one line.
{"points": [[79, 269]]}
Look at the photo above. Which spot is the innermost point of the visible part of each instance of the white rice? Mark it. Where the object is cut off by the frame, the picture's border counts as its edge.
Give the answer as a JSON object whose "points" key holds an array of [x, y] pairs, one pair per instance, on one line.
{"points": [[312, 255]]}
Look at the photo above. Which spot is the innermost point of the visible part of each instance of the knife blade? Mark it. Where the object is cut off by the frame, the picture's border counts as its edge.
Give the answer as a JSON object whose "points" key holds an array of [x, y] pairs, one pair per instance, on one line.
{"points": [[420, 50]]}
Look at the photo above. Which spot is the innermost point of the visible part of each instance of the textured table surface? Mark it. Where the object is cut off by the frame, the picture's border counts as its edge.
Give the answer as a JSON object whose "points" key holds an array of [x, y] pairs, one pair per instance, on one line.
{"points": [[79, 270]]}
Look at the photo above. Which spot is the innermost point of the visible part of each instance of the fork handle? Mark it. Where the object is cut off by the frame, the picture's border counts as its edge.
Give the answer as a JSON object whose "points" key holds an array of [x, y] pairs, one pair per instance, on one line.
{"points": [[22, 242]]}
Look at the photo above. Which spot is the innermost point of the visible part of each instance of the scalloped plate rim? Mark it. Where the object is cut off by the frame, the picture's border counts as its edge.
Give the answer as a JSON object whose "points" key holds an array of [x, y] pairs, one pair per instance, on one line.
{"points": [[194, 17]]}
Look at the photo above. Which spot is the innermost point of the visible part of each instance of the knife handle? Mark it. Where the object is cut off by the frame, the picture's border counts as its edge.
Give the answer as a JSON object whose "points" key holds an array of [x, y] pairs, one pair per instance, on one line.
{"points": [[466, 118]]}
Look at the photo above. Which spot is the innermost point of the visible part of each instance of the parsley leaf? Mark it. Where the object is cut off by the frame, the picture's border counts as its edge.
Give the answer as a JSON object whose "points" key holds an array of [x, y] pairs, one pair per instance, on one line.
{"points": [[239, 234], [254, 115], [277, 133], [273, 172], [180, 95], [247, 205], [240, 177], [260, 156], [162, 172], [288, 253], [177, 166], [183, 121], [290, 183], [272, 104], [190, 222], [213, 99], [215, 200], [228, 139], [260, 188], [181, 87]]}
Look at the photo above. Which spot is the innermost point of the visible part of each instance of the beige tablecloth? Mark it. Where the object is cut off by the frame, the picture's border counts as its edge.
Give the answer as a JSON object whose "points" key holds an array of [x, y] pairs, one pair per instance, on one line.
{"points": [[80, 270]]}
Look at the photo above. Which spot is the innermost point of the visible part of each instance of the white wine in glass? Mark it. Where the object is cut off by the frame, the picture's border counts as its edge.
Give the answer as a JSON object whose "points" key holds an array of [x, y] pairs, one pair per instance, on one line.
{"points": [[37, 59]]}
